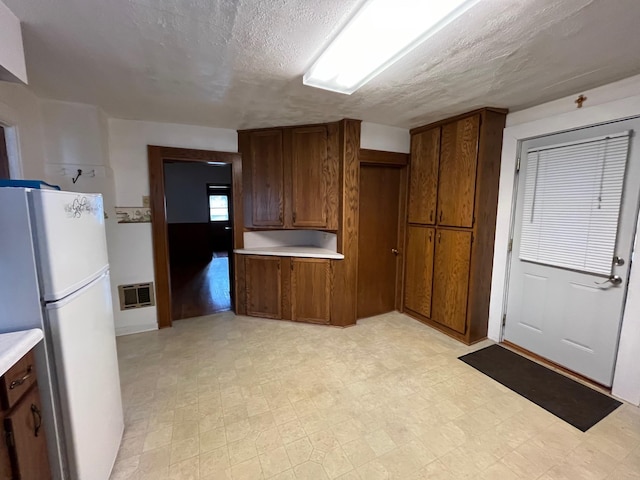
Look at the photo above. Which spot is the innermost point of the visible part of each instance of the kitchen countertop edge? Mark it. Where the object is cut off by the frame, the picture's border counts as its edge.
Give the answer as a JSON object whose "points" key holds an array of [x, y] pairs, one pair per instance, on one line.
{"points": [[292, 251], [15, 345]]}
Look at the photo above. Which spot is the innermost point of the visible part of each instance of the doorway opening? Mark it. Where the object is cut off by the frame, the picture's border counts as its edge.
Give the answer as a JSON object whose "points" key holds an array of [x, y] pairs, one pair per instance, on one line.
{"points": [[4, 155], [193, 219], [383, 179], [200, 237]]}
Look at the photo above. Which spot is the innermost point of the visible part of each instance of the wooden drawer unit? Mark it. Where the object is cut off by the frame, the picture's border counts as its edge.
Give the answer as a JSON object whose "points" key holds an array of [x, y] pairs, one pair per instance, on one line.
{"points": [[23, 455], [17, 380]]}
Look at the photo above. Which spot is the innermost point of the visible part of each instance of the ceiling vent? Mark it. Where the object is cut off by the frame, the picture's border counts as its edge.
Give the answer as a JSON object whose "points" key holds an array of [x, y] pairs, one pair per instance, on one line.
{"points": [[136, 296]]}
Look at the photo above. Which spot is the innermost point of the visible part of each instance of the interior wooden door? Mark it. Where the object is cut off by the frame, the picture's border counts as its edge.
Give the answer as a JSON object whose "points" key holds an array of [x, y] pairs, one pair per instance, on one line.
{"points": [[263, 286], [419, 269], [378, 239], [451, 278], [310, 289], [309, 173], [267, 178], [457, 178], [29, 449], [423, 184]]}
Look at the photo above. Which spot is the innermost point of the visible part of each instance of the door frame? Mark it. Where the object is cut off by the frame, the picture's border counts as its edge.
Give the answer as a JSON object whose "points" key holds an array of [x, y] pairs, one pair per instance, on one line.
{"points": [[382, 158], [157, 156], [514, 226], [557, 118]]}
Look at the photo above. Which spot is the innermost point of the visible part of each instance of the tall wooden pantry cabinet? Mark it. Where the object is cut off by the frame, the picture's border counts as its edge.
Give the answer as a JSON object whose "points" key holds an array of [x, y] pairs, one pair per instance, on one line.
{"points": [[453, 195]]}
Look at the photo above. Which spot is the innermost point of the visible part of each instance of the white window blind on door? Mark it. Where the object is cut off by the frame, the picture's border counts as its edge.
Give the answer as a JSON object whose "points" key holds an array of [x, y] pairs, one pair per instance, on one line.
{"points": [[571, 205]]}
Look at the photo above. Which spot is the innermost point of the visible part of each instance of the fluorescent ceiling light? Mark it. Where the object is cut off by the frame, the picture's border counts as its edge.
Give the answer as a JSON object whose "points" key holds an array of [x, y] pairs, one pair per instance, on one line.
{"points": [[379, 34]]}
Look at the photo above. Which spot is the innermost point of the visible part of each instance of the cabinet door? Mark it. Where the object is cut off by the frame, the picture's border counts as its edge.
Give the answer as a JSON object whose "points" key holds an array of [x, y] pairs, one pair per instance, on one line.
{"points": [[310, 289], [423, 183], [27, 444], [451, 278], [419, 269], [267, 178], [457, 180], [263, 286], [309, 176]]}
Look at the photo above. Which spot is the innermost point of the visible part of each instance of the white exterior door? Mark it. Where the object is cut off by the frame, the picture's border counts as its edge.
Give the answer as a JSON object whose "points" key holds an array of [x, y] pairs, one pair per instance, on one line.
{"points": [[572, 246], [84, 346], [70, 239]]}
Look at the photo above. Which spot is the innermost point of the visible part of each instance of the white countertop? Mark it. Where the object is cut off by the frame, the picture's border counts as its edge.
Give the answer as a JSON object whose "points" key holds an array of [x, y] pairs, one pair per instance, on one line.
{"points": [[14, 345], [305, 251]]}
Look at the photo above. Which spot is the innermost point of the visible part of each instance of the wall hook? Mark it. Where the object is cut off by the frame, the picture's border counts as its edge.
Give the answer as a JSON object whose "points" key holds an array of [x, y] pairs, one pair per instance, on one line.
{"points": [[74, 180]]}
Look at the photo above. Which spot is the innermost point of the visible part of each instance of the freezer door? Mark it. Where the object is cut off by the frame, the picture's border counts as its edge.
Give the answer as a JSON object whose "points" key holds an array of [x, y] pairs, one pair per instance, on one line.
{"points": [[84, 345], [70, 240]]}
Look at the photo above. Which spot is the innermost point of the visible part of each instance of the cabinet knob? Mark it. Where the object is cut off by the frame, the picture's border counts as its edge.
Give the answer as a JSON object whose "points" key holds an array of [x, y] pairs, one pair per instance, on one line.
{"points": [[395, 251]]}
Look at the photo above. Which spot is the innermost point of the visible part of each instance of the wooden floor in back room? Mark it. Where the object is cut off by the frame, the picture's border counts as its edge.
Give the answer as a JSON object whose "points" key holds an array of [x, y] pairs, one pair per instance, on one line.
{"points": [[199, 287]]}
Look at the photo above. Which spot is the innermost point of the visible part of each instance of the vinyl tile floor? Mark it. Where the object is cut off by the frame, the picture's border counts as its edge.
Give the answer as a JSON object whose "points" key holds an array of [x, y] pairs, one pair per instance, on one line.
{"points": [[231, 397]]}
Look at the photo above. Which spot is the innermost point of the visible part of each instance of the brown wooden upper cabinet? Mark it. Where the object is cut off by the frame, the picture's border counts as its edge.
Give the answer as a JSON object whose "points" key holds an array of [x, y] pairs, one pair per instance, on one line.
{"points": [[423, 181], [309, 165], [457, 180], [267, 178], [290, 177]]}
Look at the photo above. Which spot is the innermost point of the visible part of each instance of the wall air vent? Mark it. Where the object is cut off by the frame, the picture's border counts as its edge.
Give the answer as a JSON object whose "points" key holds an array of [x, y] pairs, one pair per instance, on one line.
{"points": [[136, 296]]}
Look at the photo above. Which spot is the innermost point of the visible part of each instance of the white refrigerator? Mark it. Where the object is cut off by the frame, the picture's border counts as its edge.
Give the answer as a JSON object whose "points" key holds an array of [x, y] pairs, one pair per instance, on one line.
{"points": [[54, 275]]}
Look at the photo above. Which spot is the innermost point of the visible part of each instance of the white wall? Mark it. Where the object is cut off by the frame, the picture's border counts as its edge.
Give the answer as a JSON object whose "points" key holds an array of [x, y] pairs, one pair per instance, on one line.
{"points": [[374, 136], [611, 102], [185, 186], [132, 261], [12, 64], [20, 112], [76, 136]]}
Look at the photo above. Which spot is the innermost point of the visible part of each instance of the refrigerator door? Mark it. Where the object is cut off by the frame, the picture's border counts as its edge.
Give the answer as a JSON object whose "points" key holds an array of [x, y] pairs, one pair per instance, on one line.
{"points": [[83, 337], [70, 240]]}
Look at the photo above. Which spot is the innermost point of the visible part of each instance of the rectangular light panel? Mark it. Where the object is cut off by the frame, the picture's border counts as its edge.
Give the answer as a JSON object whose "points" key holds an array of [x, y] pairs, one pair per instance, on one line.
{"points": [[378, 35]]}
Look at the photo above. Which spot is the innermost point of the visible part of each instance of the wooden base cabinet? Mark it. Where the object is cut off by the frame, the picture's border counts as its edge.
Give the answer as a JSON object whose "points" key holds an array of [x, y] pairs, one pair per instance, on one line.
{"points": [[288, 288], [419, 271], [310, 290], [451, 279], [263, 286], [24, 455], [453, 196]]}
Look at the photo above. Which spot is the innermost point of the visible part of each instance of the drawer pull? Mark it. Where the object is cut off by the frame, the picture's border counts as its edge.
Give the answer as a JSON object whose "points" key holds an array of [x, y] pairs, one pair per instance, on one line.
{"points": [[20, 381], [37, 419]]}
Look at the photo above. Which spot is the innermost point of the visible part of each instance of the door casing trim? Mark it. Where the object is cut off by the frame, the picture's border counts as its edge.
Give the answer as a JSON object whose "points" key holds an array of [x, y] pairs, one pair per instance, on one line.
{"points": [[157, 156]]}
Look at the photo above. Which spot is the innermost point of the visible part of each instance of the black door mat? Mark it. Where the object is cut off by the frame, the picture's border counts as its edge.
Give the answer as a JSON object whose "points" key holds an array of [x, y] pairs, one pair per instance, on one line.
{"points": [[567, 399]]}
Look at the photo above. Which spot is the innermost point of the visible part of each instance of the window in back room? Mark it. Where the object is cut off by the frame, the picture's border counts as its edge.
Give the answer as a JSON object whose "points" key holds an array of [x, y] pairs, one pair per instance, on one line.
{"points": [[4, 156], [218, 204]]}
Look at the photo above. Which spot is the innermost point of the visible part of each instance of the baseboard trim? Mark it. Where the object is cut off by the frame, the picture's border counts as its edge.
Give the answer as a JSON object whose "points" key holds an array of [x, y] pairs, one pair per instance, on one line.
{"points": [[121, 331]]}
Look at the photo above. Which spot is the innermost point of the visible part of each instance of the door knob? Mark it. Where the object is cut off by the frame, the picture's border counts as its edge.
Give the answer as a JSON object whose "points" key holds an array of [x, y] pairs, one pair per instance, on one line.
{"points": [[613, 279], [617, 261], [395, 251]]}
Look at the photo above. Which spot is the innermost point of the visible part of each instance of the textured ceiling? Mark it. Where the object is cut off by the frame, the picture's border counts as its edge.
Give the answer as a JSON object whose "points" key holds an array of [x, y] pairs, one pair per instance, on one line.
{"points": [[239, 64]]}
